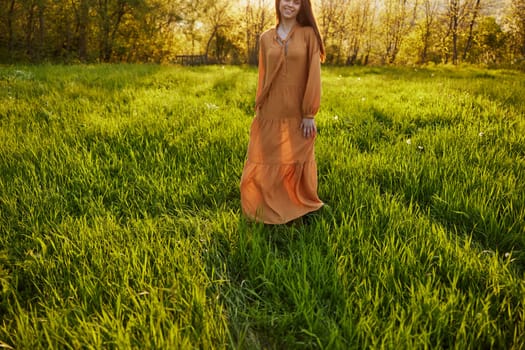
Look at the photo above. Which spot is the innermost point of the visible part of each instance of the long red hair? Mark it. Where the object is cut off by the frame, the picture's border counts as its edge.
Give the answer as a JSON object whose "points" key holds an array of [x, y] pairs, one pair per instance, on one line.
{"points": [[305, 18]]}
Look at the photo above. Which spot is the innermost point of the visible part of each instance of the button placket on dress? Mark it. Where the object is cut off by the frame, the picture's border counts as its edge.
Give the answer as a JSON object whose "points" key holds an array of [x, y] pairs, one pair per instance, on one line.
{"points": [[283, 43], [284, 51]]}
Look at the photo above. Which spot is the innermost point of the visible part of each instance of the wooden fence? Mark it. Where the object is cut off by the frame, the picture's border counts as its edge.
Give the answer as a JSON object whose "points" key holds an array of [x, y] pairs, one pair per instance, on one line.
{"points": [[191, 60]]}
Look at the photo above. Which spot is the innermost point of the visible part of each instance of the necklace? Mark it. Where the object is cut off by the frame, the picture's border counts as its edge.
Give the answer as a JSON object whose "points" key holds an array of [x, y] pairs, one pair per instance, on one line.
{"points": [[283, 33]]}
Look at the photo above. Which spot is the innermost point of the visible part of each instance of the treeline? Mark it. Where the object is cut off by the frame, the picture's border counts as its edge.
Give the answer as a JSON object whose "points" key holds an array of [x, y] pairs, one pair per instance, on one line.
{"points": [[225, 31]]}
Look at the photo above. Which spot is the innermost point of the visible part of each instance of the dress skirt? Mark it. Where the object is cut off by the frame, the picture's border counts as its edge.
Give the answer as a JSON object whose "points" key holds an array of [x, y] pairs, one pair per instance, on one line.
{"points": [[279, 180]]}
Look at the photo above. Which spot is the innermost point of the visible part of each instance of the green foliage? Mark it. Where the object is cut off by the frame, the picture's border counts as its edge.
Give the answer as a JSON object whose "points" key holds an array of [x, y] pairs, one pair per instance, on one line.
{"points": [[120, 224], [227, 31]]}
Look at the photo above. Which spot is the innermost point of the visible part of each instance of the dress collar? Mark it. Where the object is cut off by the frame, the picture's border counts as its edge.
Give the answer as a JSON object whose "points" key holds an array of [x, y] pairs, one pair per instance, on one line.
{"points": [[278, 38]]}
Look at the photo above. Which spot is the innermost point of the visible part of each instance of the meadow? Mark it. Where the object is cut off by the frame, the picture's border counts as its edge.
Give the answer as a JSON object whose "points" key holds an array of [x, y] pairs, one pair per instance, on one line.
{"points": [[120, 222]]}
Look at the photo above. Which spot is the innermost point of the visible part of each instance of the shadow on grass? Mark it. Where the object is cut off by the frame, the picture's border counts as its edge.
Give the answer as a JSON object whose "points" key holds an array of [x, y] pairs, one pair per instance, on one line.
{"points": [[283, 287], [494, 222]]}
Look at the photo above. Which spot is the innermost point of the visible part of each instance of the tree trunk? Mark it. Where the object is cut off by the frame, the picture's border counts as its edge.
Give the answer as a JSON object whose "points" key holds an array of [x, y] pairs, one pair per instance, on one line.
{"points": [[41, 31], [256, 20], [120, 12], [454, 23], [83, 24], [208, 44], [110, 23], [424, 51], [29, 31], [429, 20], [10, 34], [396, 26], [471, 30], [104, 29]]}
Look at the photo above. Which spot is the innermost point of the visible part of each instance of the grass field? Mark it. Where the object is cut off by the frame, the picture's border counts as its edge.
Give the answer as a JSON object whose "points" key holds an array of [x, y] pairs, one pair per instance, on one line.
{"points": [[120, 225]]}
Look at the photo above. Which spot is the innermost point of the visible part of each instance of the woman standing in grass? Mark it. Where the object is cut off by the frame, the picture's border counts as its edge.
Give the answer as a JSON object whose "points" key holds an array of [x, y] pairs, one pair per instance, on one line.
{"points": [[279, 180]]}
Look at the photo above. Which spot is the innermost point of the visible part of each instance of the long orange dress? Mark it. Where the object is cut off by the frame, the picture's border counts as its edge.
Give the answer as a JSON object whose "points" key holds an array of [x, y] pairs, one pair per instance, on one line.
{"points": [[279, 179]]}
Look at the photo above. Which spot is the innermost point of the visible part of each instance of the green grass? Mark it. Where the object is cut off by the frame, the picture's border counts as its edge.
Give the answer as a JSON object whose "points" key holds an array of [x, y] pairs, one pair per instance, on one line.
{"points": [[120, 224]]}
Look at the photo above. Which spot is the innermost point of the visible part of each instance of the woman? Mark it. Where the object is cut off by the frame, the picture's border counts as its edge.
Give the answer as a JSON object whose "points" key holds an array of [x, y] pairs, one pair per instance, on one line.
{"points": [[279, 180]]}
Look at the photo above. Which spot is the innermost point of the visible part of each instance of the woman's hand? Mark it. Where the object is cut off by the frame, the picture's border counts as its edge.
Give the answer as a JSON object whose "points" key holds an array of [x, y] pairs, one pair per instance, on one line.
{"points": [[308, 127]]}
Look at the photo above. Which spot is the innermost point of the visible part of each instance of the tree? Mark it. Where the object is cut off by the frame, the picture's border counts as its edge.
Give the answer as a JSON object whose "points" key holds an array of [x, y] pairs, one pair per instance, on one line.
{"points": [[361, 19], [490, 41], [461, 16], [218, 17], [152, 33], [398, 18], [515, 22], [7, 32], [257, 17], [110, 16], [334, 27], [354, 31], [473, 14], [191, 21], [429, 10], [83, 29]]}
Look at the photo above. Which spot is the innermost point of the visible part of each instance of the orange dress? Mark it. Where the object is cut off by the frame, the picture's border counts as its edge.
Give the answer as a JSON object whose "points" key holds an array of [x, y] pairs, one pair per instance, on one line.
{"points": [[279, 179]]}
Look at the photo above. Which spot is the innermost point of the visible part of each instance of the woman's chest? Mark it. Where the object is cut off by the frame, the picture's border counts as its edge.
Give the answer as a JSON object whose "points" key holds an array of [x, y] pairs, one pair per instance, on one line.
{"points": [[294, 51]]}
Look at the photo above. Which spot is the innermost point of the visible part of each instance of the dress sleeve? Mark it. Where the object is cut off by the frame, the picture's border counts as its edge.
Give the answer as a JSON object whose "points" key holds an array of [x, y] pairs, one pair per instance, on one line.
{"points": [[262, 69], [312, 94]]}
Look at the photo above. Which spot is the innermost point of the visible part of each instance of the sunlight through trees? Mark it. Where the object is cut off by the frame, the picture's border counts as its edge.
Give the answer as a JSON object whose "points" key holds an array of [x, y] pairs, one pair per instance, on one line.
{"points": [[355, 31]]}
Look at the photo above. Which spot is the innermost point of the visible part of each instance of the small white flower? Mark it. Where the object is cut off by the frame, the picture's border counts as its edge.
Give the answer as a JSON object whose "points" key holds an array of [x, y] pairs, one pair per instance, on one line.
{"points": [[211, 106], [507, 255], [481, 134], [363, 99], [420, 148], [409, 141], [336, 117], [22, 74], [359, 79]]}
